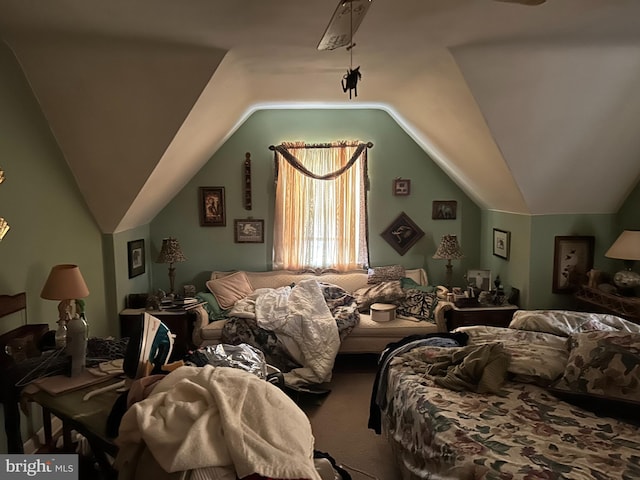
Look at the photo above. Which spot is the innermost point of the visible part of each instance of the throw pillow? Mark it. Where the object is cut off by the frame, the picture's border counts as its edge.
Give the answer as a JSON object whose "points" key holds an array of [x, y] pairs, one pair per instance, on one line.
{"points": [[418, 304], [212, 307], [228, 290], [603, 363], [385, 292], [386, 273]]}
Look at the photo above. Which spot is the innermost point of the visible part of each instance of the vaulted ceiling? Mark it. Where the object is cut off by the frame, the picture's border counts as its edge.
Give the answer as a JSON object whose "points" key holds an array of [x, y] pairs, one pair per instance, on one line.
{"points": [[530, 109]]}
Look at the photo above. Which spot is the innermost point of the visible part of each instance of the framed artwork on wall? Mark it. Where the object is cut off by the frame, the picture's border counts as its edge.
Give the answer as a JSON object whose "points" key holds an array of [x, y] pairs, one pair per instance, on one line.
{"points": [[212, 207], [248, 231], [135, 253], [401, 186], [402, 234], [501, 243], [444, 210], [572, 260], [479, 278]]}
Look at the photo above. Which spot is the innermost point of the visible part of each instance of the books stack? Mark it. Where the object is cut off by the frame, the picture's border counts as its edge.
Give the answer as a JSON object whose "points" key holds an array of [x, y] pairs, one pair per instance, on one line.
{"points": [[186, 303]]}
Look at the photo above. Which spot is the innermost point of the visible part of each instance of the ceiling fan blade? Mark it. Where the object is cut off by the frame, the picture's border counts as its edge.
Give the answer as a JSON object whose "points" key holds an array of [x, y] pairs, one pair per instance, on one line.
{"points": [[340, 31]]}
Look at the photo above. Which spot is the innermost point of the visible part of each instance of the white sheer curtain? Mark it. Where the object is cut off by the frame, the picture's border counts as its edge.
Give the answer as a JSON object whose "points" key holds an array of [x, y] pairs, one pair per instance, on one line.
{"points": [[320, 223]]}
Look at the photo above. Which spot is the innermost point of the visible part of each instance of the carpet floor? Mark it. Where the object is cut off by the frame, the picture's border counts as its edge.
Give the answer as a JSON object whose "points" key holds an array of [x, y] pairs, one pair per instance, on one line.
{"points": [[339, 420]]}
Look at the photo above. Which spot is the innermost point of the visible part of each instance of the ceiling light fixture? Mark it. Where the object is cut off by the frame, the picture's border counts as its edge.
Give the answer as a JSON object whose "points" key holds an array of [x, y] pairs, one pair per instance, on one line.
{"points": [[339, 33]]}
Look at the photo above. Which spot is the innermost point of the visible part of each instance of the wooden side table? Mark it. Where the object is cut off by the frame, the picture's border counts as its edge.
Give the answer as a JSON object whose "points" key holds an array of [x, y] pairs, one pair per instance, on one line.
{"points": [[180, 322], [494, 316]]}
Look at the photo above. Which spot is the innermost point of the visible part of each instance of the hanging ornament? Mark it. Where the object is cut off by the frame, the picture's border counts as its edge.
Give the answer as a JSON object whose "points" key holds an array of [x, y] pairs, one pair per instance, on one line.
{"points": [[350, 79]]}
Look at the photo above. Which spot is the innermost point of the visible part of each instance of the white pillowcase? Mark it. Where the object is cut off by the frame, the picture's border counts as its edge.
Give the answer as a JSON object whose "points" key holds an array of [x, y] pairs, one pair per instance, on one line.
{"points": [[229, 289]]}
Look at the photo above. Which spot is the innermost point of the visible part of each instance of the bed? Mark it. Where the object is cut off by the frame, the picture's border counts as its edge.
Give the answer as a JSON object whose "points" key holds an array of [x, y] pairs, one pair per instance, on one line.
{"points": [[554, 396]]}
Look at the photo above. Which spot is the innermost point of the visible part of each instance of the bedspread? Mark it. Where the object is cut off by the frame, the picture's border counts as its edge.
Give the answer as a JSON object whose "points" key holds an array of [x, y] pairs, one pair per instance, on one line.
{"points": [[524, 432]]}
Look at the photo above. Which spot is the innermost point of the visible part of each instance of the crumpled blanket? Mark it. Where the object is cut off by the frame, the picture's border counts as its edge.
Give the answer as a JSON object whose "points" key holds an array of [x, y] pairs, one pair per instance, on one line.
{"points": [[201, 417], [300, 317], [477, 368]]}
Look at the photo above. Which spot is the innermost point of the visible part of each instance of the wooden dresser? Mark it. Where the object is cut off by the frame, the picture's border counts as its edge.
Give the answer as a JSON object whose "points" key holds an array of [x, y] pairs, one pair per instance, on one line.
{"points": [[593, 300]]}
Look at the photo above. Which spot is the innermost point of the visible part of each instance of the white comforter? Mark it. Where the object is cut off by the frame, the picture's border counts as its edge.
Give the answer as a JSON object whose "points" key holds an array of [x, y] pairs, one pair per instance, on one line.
{"points": [[212, 418], [301, 318]]}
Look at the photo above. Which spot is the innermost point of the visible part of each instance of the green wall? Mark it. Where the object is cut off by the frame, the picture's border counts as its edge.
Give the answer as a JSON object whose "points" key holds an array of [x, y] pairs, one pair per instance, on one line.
{"points": [[50, 223], [393, 155], [544, 229], [514, 271]]}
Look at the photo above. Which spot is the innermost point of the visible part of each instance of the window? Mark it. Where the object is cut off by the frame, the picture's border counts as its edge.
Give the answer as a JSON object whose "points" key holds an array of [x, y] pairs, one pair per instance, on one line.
{"points": [[321, 212]]}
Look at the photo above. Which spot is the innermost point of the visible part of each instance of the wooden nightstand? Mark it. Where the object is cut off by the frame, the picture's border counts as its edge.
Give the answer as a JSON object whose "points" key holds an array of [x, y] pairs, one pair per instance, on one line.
{"points": [[495, 316], [180, 322]]}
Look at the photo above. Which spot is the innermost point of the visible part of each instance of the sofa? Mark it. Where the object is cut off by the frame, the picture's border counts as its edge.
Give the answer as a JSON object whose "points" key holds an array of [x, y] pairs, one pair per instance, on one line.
{"points": [[367, 336], [555, 395]]}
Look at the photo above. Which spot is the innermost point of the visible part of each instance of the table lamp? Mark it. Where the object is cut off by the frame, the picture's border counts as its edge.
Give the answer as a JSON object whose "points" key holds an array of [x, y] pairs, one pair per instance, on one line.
{"points": [[627, 248], [171, 253], [448, 249], [65, 283]]}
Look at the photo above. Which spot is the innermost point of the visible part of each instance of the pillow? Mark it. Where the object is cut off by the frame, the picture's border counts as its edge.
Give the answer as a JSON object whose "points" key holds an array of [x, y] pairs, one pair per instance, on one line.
{"points": [[418, 304], [385, 292], [410, 284], [603, 363], [212, 306], [566, 322], [228, 290], [385, 274]]}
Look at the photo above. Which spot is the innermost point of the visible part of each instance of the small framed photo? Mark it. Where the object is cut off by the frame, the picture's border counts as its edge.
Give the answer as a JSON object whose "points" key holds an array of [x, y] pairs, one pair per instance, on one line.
{"points": [[212, 207], [402, 234], [572, 260], [479, 279], [444, 210], [248, 231], [135, 252], [501, 243], [401, 186]]}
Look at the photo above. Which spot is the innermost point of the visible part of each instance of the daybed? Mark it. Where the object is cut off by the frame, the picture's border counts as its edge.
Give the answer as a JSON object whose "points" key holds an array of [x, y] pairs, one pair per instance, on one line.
{"points": [[554, 396], [348, 296]]}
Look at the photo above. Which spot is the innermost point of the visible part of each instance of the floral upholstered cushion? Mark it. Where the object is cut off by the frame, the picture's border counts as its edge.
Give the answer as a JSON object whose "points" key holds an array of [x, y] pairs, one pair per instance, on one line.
{"points": [[604, 363], [418, 304]]}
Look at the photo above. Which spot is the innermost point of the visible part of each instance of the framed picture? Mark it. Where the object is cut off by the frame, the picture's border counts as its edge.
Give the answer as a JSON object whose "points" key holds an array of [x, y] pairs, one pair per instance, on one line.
{"points": [[135, 251], [401, 186], [572, 259], [248, 231], [212, 207], [479, 279], [501, 243], [402, 234], [444, 210]]}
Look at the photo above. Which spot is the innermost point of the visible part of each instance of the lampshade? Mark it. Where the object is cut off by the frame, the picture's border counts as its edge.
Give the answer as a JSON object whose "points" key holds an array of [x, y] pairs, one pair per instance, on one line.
{"points": [[65, 282], [626, 247], [449, 248], [170, 251]]}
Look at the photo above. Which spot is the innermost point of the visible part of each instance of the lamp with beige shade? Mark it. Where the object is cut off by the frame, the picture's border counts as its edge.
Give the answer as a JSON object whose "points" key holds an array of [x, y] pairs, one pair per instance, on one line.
{"points": [[627, 248], [65, 283]]}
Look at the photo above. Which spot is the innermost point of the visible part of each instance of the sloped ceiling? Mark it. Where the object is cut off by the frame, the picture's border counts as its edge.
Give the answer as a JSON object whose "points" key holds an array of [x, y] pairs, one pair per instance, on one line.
{"points": [[529, 109]]}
